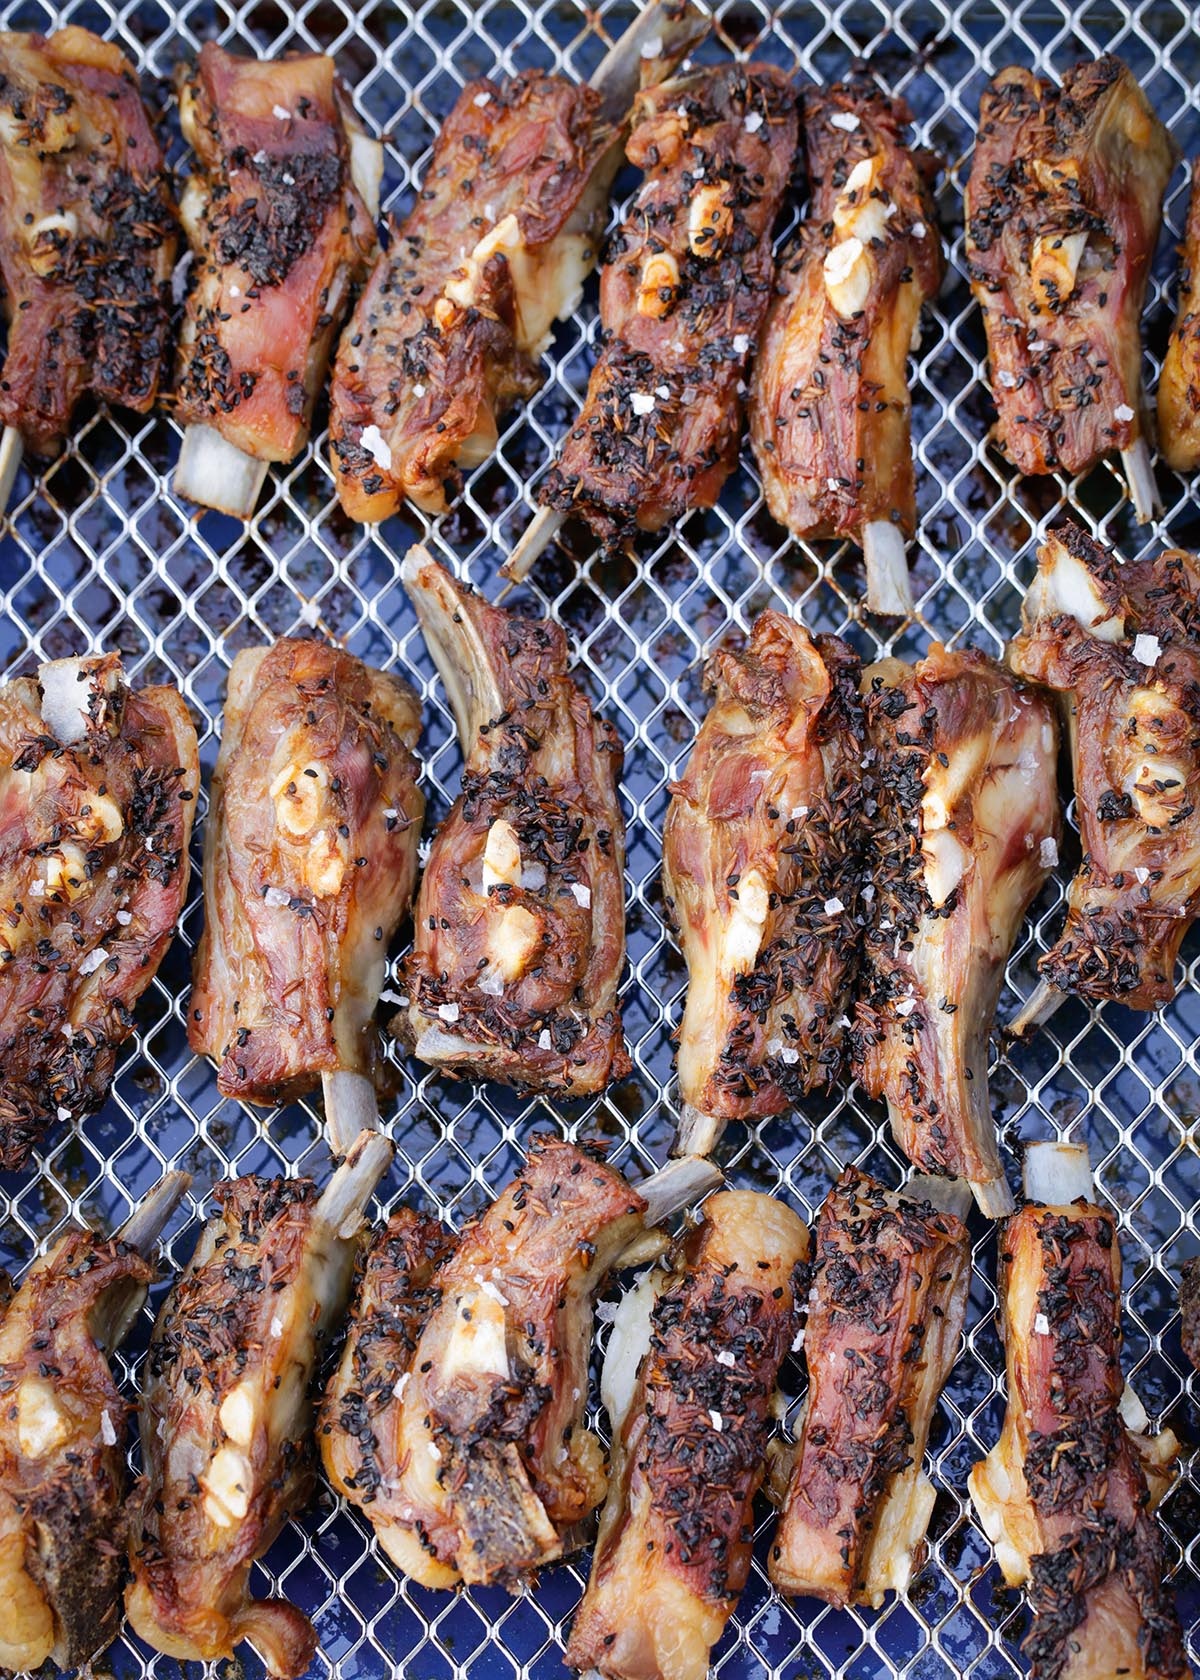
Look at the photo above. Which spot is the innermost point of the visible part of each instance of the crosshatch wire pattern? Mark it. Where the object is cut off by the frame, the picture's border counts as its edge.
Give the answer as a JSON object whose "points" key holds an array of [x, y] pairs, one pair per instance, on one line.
{"points": [[100, 553]]}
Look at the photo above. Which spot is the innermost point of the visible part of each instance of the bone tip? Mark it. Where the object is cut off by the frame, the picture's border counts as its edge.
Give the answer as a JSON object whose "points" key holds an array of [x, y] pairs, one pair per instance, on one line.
{"points": [[1038, 1008], [697, 1133], [889, 587]]}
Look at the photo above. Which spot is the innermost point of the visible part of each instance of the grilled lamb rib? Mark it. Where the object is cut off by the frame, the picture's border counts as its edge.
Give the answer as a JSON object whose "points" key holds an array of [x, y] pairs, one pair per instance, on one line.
{"points": [[886, 1307], [685, 286], [829, 400], [310, 861], [519, 926], [1067, 1494], [456, 1421], [281, 222], [1063, 208], [689, 1380], [451, 327], [97, 794], [1179, 382], [1121, 643], [967, 829], [762, 862], [87, 234], [227, 1413], [62, 1439]]}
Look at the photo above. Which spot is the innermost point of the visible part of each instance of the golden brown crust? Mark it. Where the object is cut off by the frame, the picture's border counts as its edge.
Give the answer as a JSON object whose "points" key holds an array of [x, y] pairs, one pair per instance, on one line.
{"points": [[1179, 382]]}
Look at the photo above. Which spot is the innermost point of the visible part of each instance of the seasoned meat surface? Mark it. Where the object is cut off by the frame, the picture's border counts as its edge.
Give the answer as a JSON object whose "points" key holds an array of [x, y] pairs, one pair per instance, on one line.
{"points": [[310, 862], [690, 1433], [87, 234], [686, 283], [451, 326], [1189, 1310], [829, 399], [280, 234], [886, 1306], [1063, 208], [227, 1414], [519, 927], [763, 852], [1066, 1495], [1121, 643], [967, 829], [62, 1457], [474, 1464], [97, 794]]}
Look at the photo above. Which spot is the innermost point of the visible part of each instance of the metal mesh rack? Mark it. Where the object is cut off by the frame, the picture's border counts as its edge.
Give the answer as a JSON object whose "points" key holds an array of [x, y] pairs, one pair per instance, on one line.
{"points": [[99, 552]]}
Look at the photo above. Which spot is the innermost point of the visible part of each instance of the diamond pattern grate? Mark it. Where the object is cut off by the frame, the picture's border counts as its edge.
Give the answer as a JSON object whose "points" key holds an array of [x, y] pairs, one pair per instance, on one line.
{"points": [[99, 552]]}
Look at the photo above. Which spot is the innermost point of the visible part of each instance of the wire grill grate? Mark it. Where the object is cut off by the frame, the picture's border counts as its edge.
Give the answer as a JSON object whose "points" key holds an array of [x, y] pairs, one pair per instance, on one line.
{"points": [[102, 554]]}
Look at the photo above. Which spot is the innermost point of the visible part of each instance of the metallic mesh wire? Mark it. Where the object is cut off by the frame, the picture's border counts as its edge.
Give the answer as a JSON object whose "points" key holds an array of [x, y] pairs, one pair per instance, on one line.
{"points": [[99, 552]]}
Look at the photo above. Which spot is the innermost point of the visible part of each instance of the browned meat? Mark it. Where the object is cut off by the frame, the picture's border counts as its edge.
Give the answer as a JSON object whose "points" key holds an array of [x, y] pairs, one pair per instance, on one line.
{"points": [[1122, 644], [62, 1440], [1063, 208], [829, 399], [686, 282], [97, 794], [1067, 1493], [763, 852], [1189, 1310], [87, 234], [689, 1379], [1179, 382], [310, 861], [450, 331], [456, 1418], [886, 1308], [227, 1415], [281, 224], [967, 829], [520, 921]]}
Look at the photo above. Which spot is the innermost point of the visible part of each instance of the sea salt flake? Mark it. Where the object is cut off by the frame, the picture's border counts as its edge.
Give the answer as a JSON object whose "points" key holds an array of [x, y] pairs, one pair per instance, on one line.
{"points": [[418, 391], [741, 343], [583, 895], [432, 1448], [798, 1341], [754, 122], [845, 120], [64, 1113], [482, 99], [94, 960], [124, 917], [37, 889], [1123, 412], [834, 906], [1048, 852], [868, 892], [543, 1039], [108, 1433], [402, 1382], [653, 47], [280, 112], [276, 1327], [492, 985], [276, 898], [725, 1358], [1006, 380], [918, 230], [1041, 1325], [717, 1421], [789, 1055], [798, 811], [906, 1006], [831, 483], [606, 1312], [641, 402], [377, 446], [449, 1012], [1146, 649], [1143, 876]]}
